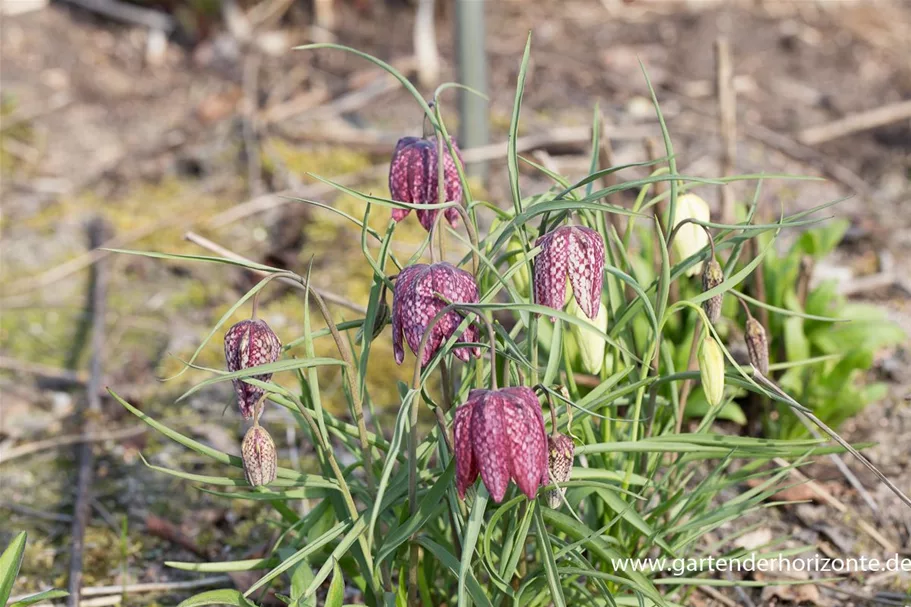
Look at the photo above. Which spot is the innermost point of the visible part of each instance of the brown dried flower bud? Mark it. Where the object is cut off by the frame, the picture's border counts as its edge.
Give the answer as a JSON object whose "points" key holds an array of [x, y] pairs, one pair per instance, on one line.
{"points": [[712, 276], [757, 346], [258, 454], [560, 450]]}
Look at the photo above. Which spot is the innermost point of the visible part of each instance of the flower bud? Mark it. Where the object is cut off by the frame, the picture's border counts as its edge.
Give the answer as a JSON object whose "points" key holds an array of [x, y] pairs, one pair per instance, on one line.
{"points": [[690, 238], [712, 276], [711, 370], [591, 345], [381, 318], [250, 343], [560, 450], [258, 454], [757, 346]]}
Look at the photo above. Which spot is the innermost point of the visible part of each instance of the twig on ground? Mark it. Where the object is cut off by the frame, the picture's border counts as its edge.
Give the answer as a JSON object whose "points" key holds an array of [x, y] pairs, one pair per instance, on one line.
{"points": [[98, 285], [128, 13], [35, 513], [70, 439], [46, 371], [215, 248], [718, 596], [855, 123], [215, 580], [835, 503], [169, 532], [248, 118], [727, 122]]}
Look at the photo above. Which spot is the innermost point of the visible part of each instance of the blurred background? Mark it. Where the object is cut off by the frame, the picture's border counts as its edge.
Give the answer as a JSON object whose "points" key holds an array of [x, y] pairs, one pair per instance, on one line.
{"points": [[131, 124]]}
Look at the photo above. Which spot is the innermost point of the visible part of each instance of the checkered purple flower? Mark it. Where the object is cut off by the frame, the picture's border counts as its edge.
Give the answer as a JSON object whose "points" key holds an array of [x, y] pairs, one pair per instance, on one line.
{"points": [[415, 303], [500, 434], [413, 178], [250, 343], [575, 251]]}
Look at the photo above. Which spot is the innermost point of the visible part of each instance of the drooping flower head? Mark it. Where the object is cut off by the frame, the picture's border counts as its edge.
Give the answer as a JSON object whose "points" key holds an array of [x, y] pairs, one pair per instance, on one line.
{"points": [[711, 371], [574, 251], [415, 302], [413, 177], [591, 345], [500, 434], [250, 343]]}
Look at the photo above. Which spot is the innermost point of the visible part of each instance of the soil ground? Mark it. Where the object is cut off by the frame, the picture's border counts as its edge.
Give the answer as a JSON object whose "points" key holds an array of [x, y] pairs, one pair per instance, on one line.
{"points": [[92, 127]]}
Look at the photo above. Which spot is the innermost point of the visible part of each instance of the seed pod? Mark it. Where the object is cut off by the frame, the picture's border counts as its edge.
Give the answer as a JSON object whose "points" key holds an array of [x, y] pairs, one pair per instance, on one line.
{"points": [[258, 454], [250, 343], [757, 345], [560, 450], [712, 276], [711, 370]]}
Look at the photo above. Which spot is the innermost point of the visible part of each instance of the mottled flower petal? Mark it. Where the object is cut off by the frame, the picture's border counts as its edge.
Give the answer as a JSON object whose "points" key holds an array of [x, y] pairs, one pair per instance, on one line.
{"points": [[466, 467], [576, 252], [491, 451], [525, 434]]}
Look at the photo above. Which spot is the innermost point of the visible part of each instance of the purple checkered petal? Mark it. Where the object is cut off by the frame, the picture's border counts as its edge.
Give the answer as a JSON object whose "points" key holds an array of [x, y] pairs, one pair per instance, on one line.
{"points": [[550, 269], [575, 252], [488, 441], [466, 466], [586, 268], [526, 438], [402, 307]]}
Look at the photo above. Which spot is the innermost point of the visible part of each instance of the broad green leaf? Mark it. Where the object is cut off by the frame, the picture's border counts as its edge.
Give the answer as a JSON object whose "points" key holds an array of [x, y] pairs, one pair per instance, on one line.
{"points": [[224, 596], [10, 561]]}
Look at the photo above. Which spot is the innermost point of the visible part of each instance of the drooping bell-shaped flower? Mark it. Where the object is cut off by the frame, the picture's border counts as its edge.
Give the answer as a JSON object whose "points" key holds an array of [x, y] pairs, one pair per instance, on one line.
{"points": [[413, 177], [250, 343], [576, 252], [415, 302], [691, 237], [591, 345], [500, 434], [560, 450]]}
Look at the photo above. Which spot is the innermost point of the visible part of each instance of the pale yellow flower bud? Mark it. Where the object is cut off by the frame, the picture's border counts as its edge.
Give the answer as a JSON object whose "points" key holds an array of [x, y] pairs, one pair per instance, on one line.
{"points": [[711, 370], [691, 237], [591, 345]]}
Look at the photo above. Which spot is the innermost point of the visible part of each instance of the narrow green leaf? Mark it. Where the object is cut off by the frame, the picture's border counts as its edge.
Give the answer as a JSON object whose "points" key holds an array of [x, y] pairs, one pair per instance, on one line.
{"points": [[336, 594], [47, 595], [470, 538], [547, 556]]}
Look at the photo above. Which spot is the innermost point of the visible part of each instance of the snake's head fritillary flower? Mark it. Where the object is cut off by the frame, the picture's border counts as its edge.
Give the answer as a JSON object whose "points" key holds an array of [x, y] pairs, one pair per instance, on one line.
{"points": [[416, 300], [560, 451], [500, 434], [576, 252], [413, 177], [691, 238], [250, 343], [258, 454]]}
